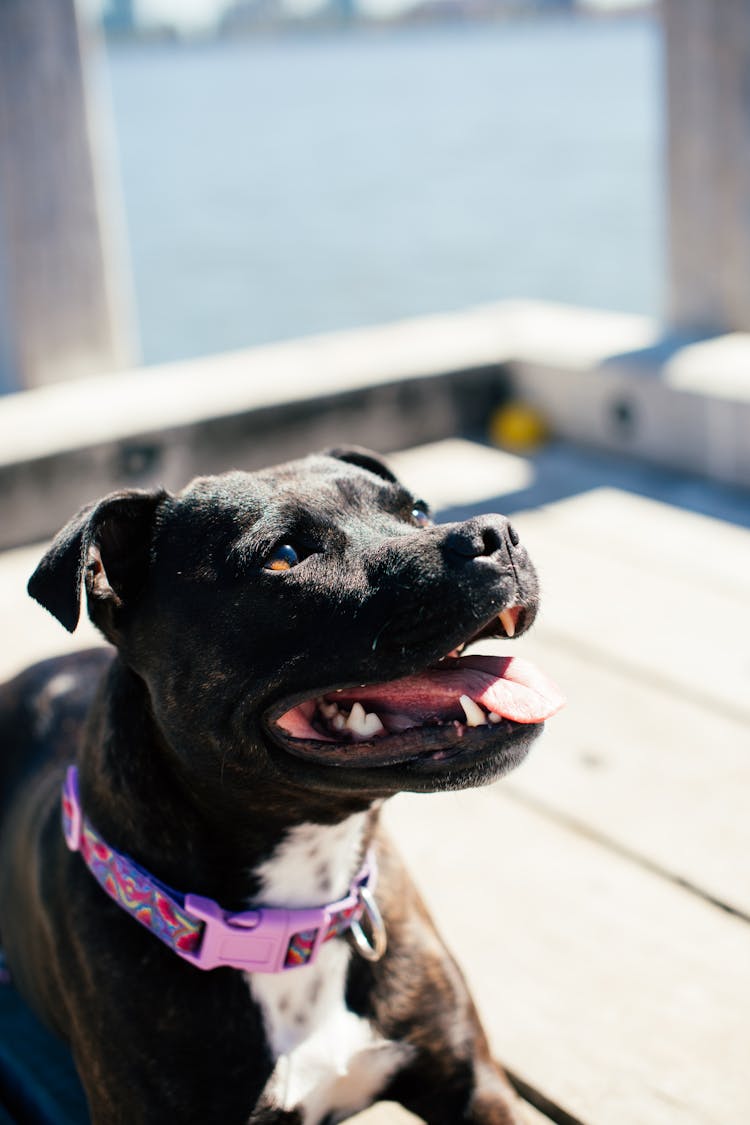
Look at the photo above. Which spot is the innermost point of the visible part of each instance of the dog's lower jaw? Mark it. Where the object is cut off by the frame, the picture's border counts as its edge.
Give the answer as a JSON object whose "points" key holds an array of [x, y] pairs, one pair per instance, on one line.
{"points": [[474, 764]]}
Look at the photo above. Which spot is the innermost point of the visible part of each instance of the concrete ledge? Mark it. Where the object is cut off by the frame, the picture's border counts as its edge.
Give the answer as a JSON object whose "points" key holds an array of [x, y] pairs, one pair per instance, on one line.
{"points": [[602, 379], [64, 445], [619, 383]]}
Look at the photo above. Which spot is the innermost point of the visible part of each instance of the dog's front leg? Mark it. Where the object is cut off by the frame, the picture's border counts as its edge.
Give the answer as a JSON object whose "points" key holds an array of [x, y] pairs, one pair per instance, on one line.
{"points": [[455, 1091], [417, 997]]}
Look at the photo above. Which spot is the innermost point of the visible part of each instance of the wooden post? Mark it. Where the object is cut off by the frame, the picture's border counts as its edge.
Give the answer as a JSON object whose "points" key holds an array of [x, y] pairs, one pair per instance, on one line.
{"points": [[61, 313], [708, 85]]}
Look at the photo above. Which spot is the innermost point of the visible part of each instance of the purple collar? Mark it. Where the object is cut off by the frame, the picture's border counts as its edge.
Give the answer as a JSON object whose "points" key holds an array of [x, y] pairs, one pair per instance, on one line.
{"points": [[263, 940]]}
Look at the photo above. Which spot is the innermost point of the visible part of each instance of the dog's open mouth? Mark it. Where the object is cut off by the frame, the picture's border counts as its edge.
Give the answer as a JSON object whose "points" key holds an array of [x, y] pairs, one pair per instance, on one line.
{"points": [[461, 702]]}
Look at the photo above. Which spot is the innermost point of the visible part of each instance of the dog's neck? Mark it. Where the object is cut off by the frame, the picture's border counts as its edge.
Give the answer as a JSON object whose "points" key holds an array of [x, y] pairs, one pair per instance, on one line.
{"points": [[236, 846]]}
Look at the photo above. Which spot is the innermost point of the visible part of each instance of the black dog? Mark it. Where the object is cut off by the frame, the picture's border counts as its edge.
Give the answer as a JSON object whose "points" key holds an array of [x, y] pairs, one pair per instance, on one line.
{"points": [[288, 655]]}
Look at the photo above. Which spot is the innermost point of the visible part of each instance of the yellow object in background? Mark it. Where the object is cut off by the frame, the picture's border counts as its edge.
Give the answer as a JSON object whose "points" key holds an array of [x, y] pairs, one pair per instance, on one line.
{"points": [[518, 426]]}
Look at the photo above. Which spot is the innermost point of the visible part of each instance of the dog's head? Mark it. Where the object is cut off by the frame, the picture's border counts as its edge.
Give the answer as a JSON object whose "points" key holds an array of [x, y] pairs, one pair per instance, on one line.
{"points": [[309, 620]]}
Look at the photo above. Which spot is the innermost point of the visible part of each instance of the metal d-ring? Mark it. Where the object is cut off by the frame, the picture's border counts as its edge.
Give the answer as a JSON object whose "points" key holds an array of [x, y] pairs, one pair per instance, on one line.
{"points": [[372, 948]]}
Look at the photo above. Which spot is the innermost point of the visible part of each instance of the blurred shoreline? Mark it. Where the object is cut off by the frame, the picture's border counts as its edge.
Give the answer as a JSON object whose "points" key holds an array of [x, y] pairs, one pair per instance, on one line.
{"points": [[258, 19]]}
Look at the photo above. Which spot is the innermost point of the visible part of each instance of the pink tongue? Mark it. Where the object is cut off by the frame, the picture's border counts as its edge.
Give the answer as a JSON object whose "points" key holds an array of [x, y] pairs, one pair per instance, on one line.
{"points": [[509, 686]]}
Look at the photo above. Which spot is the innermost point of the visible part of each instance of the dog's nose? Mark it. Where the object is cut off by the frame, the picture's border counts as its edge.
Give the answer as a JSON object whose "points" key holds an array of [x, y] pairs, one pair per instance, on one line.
{"points": [[481, 537]]}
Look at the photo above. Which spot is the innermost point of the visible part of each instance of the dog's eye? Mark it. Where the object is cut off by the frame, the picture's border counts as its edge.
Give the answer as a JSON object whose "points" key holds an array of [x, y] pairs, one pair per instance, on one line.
{"points": [[283, 557], [420, 517]]}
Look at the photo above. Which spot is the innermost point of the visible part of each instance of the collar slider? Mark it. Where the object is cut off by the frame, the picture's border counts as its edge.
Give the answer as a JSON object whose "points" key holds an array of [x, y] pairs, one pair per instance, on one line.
{"points": [[72, 816]]}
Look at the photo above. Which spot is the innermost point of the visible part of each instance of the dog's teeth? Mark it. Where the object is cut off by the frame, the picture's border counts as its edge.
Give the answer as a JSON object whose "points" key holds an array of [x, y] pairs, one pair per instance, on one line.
{"points": [[508, 623], [365, 725], [475, 716], [494, 717], [338, 722], [328, 710], [356, 717], [374, 725]]}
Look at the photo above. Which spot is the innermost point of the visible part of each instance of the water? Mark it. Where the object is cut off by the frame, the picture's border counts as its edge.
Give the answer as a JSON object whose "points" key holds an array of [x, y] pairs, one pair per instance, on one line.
{"points": [[278, 188]]}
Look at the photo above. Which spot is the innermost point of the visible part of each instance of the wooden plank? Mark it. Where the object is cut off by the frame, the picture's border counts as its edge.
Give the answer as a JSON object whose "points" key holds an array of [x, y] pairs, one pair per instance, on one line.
{"points": [[663, 778], [668, 628], [61, 314], [652, 534], [620, 995]]}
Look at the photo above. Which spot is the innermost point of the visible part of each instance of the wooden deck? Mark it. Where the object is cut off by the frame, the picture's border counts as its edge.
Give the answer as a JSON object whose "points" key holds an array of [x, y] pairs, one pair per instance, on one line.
{"points": [[598, 899]]}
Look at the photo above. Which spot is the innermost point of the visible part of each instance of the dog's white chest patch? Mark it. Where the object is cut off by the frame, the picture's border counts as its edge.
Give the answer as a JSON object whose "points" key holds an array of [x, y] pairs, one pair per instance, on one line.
{"points": [[329, 1061], [314, 863]]}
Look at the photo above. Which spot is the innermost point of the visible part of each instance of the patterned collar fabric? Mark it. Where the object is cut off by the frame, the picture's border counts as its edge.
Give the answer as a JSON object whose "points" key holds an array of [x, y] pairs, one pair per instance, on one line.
{"points": [[197, 929]]}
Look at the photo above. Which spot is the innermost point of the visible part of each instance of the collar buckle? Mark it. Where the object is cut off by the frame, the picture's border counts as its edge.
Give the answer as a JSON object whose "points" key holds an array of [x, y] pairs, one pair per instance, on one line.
{"points": [[256, 941]]}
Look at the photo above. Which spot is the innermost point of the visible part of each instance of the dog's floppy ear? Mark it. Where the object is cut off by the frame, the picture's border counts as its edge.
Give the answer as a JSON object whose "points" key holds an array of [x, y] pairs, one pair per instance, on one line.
{"points": [[364, 459], [109, 544]]}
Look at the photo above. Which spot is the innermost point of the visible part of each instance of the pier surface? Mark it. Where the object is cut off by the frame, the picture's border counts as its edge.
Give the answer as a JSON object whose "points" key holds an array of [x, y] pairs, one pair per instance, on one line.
{"points": [[598, 899]]}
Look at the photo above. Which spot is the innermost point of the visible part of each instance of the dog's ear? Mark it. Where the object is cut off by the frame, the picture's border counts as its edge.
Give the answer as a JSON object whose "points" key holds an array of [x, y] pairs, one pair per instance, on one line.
{"points": [[107, 543], [364, 459]]}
